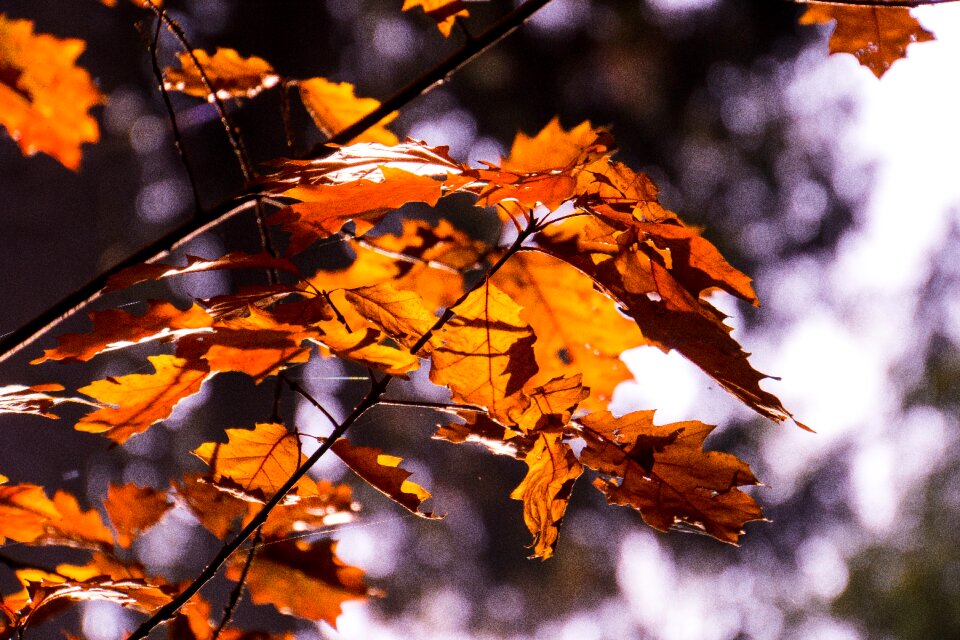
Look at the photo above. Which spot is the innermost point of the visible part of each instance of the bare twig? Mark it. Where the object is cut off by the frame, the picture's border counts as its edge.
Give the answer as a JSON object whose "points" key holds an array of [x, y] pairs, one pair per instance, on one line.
{"points": [[448, 407], [237, 592], [910, 4], [309, 398]]}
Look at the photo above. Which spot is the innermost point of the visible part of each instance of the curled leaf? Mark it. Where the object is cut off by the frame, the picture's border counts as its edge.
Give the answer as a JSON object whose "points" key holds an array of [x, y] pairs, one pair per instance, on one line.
{"points": [[384, 473], [230, 75]]}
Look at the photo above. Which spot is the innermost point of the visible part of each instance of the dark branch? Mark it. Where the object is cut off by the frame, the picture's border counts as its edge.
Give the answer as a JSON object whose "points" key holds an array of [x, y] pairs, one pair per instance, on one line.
{"points": [[909, 4], [237, 592]]}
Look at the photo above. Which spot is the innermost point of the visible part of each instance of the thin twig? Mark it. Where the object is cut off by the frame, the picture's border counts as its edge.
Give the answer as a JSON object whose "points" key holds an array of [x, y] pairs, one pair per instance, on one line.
{"points": [[288, 133], [909, 4], [309, 398], [237, 592], [436, 406], [172, 117]]}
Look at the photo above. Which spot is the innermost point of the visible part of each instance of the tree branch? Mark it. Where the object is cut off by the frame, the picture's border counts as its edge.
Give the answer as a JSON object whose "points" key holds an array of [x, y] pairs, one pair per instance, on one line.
{"points": [[448, 407], [238, 590], [910, 4]]}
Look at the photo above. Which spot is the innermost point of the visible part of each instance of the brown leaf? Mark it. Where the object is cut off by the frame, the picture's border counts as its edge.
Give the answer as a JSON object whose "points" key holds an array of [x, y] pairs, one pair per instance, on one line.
{"points": [[545, 491], [479, 429], [141, 400], [878, 36], [367, 348], [133, 510], [117, 329], [301, 579], [383, 472], [230, 75], [259, 461], [334, 107], [329, 504], [27, 515], [35, 400], [578, 328], [443, 12], [663, 472], [218, 511], [236, 260], [552, 405], [401, 314], [45, 98]]}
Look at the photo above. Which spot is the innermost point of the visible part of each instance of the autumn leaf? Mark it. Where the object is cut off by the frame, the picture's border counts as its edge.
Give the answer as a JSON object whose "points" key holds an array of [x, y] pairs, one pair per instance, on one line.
{"points": [[663, 472], [27, 515], [619, 195], [216, 510], [479, 429], [578, 328], [35, 400], [555, 148], [443, 12], [193, 623], [133, 510], [877, 35], [545, 491], [139, 401], [118, 329], [302, 579], [236, 260], [334, 107], [258, 460], [366, 347], [551, 406], [484, 353], [383, 472], [230, 75], [45, 98], [326, 505], [401, 314]]}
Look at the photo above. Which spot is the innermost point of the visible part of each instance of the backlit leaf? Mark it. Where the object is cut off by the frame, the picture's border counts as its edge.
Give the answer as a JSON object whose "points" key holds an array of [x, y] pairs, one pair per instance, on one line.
{"points": [[230, 75], [443, 12], [133, 510], [35, 400], [384, 473], [334, 107], [27, 515], [557, 148], [138, 401], [45, 98], [236, 260]]}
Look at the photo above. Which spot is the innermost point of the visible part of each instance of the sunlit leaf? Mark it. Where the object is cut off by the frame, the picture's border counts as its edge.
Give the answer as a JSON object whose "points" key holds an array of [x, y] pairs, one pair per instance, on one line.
{"points": [[27, 515], [133, 510], [230, 75], [334, 107], [35, 400], [236, 260], [443, 12], [384, 473]]}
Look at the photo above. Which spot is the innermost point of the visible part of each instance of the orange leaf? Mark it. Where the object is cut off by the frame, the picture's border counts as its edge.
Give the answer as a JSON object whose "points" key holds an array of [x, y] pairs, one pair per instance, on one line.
{"points": [[236, 260], [27, 515], [301, 579], [443, 12], [383, 472], [118, 329], [259, 461], [44, 97], [366, 347], [578, 328], [545, 491], [33, 400], [878, 36], [141, 400], [133, 510], [230, 75], [663, 472], [334, 107], [330, 504], [556, 148], [216, 510], [401, 314]]}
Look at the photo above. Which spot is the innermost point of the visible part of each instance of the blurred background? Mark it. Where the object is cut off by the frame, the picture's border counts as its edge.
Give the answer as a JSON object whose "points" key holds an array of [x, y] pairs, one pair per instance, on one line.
{"points": [[837, 192]]}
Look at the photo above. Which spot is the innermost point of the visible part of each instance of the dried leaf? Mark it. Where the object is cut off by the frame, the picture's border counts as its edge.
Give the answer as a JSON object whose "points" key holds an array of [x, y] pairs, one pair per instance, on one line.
{"points": [[230, 75], [383, 472], [545, 491], [305, 580], [334, 107], [133, 510], [663, 472], [877, 35], [443, 12], [45, 98], [141, 400]]}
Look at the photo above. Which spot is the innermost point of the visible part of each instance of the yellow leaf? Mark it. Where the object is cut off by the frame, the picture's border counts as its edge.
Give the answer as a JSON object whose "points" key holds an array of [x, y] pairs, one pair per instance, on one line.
{"points": [[334, 107], [443, 12]]}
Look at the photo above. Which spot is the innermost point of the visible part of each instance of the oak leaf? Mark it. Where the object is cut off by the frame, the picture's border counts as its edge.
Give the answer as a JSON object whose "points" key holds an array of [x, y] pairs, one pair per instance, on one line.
{"points": [[138, 401], [45, 98], [334, 107], [545, 491], [663, 472], [35, 400], [401, 314], [259, 460], [326, 505], [133, 510], [305, 580], [443, 12], [384, 473], [230, 75], [877, 35]]}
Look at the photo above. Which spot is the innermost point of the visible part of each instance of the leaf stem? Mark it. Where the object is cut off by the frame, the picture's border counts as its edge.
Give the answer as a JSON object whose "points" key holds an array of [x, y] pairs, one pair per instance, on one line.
{"points": [[449, 407]]}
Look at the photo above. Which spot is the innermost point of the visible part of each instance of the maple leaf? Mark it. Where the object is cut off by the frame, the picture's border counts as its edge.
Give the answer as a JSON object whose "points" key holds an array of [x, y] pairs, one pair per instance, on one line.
{"points": [[141, 400], [230, 75], [334, 107], [877, 35], [259, 460], [443, 12], [545, 491], [301, 579], [383, 472], [578, 328], [27, 515], [663, 472], [555, 148], [45, 98], [133, 510], [35, 400], [236, 260], [118, 329]]}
